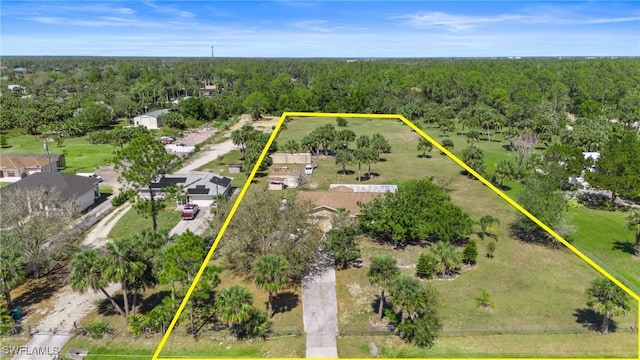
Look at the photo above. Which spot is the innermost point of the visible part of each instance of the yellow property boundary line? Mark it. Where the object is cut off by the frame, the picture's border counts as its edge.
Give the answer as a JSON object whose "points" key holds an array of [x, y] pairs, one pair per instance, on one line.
{"points": [[425, 136]]}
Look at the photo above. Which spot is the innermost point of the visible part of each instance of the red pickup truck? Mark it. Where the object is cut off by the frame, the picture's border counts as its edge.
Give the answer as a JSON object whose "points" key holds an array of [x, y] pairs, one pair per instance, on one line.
{"points": [[190, 211]]}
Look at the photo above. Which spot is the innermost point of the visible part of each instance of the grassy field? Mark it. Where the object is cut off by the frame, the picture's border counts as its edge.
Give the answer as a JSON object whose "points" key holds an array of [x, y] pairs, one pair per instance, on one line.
{"points": [[603, 237], [221, 166], [403, 154], [535, 289], [79, 154], [133, 222]]}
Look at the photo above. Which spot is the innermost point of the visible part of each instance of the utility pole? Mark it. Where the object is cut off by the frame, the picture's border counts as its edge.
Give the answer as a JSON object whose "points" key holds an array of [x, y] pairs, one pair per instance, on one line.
{"points": [[212, 51]]}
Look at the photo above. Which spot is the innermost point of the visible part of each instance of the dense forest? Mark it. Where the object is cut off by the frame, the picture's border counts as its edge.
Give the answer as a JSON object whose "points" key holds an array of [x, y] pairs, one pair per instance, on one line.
{"points": [[521, 94]]}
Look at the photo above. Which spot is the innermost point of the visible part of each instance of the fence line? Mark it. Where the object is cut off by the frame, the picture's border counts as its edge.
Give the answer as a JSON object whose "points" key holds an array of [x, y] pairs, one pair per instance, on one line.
{"points": [[608, 269]]}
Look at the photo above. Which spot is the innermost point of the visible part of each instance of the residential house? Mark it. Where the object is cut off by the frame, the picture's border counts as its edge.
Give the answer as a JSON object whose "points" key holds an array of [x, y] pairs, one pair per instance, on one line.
{"points": [[14, 167], [151, 120], [82, 191], [200, 188], [208, 90], [342, 196], [235, 168]]}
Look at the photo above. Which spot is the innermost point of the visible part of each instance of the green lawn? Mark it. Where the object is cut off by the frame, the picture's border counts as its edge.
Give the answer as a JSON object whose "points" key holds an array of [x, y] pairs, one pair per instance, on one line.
{"points": [[221, 166], [602, 236], [534, 288], [79, 154], [133, 222], [403, 162]]}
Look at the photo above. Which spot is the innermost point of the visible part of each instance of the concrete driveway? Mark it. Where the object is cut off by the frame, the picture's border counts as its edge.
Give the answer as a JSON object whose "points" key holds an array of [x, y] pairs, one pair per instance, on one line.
{"points": [[197, 225], [320, 313]]}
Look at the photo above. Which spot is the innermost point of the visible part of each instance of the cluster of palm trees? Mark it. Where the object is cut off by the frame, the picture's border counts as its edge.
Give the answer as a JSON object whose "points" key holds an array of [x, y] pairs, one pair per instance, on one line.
{"points": [[414, 303]]}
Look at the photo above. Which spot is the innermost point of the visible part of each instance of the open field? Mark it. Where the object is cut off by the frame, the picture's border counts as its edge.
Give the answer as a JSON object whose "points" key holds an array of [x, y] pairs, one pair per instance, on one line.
{"points": [[594, 345], [535, 289], [403, 154], [602, 235], [79, 154], [132, 222]]}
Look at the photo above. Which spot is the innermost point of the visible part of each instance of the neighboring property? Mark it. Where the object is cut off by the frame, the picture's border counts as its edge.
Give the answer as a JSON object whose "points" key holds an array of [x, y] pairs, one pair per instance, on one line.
{"points": [[82, 191], [201, 188], [284, 177], [14, 167], [180, 149], [287, 158], [208, 90], [343, 196], [151, 120]]}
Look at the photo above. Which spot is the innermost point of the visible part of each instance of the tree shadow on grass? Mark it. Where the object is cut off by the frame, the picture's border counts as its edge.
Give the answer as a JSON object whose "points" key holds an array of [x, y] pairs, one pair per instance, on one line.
{"points": [[346, 172], [507, 147], [148, 303], [284, 302], [589, 319], [40, 290], [375, 305], [382, 159], [624, 246], [105, 307], [426, 156]]}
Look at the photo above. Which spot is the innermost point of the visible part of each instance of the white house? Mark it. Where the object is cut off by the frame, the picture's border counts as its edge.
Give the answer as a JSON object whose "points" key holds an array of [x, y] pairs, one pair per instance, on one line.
{"points": [[201, 188], [80, 190], [151, 120]]}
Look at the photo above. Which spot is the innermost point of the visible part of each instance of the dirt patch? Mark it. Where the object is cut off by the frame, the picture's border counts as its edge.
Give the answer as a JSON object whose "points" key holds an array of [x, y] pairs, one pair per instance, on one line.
{"points": [[109, 177], [194, 137], [36, 296]]}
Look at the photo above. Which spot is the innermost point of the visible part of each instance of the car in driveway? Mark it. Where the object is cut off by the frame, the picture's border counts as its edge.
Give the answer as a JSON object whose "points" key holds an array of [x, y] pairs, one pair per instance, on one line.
{"points": [[190, 211]]}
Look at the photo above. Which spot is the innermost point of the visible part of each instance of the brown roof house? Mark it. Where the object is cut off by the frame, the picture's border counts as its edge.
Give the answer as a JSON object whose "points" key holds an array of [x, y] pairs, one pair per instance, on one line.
{"points": [[342, 196], [81, 190], [284, 177], [14, 167]]}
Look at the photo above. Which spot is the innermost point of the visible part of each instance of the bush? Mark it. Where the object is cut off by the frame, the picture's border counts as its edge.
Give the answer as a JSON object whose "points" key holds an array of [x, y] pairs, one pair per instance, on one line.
{"points": [[470, 253], [341, 121], [122, 197], [97, 329], [425, 268], [99, 137], [136, 323]]}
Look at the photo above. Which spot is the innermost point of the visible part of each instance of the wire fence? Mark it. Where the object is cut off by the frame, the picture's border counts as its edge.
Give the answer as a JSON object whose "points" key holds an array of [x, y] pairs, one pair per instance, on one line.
{"points": [[623, 279]]}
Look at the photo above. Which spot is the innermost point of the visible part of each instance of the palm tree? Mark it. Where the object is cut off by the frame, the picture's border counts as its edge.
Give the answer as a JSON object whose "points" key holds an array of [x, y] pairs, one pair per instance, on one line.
{"points": [[346, 136], [269, 273], [487, 223], [633, 224], [292, 146], [234, 305], [122, 266], [447, 258], [87, 270], [380, 144], [424, 146], [384, 268], [408, 296], [341, 219], [504, 170], [608, 300], [344, 158]]}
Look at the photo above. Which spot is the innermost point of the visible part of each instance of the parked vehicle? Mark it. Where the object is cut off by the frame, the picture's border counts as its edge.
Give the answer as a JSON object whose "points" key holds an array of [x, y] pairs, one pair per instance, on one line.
{"points": [[308, 169], [190, 211], [91, 175]]}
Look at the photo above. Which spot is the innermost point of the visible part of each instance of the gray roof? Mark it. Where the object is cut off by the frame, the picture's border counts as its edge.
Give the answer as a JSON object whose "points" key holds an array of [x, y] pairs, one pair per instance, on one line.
{"points": [[202, 183], [70, 186], [157, 113], [367, 188]]}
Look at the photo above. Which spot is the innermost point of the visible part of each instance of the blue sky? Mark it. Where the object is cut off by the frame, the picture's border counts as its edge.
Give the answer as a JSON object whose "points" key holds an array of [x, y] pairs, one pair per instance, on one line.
{"points": [[293, 28]]}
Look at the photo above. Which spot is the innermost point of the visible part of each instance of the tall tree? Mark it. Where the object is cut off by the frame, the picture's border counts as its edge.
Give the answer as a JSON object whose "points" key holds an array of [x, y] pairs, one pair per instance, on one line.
{"points": [[292, 146], [424, 146], [380, 144], [344, 158], [618, 168], [633, 224], [142, 162], [269, 273], [87, 271], [504, 170], [384, 268], [608, 300], [346, 136], [123, 266], [342, 247]]}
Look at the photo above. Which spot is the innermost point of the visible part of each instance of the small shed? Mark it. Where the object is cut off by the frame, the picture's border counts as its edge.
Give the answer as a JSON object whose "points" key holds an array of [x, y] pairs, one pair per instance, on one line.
{"points": [[276, 183], [235, 168]]}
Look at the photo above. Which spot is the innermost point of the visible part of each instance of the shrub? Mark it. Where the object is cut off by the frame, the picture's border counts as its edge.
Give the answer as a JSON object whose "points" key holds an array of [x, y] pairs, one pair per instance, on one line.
{"points": [[484, 300], [122, 197], [97, 329], [341, 121], [425, 268], [136, 323], [470, 253], [491, 248]]}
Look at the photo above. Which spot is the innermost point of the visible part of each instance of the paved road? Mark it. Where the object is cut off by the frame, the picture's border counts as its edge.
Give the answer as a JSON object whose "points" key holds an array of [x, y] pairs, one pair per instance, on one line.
{"points": [[320, 314], [211, 153]]}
